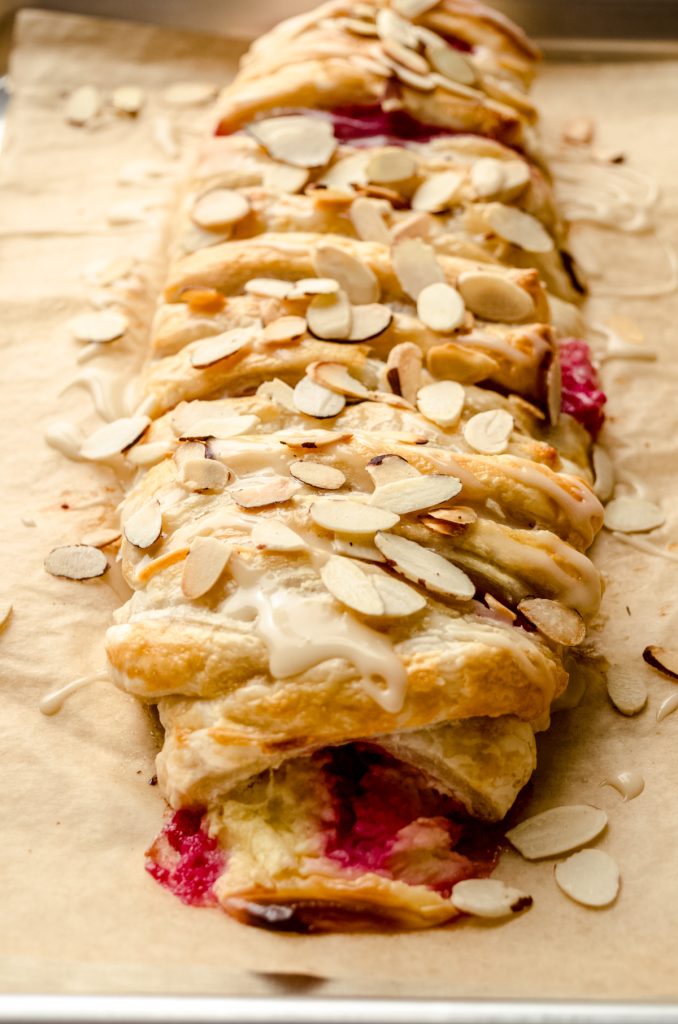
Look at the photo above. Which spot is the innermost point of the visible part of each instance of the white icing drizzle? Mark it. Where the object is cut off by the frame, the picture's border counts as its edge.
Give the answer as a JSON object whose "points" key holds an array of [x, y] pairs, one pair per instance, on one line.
{"points": [[66, 438], [55, 699], [645, 546], [579, 509], [107, 391], [667, 707]]}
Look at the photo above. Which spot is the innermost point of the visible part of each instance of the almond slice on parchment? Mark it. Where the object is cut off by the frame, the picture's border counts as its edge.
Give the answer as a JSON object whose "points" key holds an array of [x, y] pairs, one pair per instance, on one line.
{"points": [[76, 562], [557, 830], [114, 438], [144, 526], [496, 298], [207, 558], [440, 307], [442, 402], [313, 399], [99, 328], [352, 517], [415, 265], [590, 877], [626, 689], [632, 515], [416, 493], [317, 474], [329, 317], [354, 277], [488, 897], [219, 208], [295, 139], [425, 567], [558, 623], [83, 104], [603, 472], [663, 659], [274, 536], [489, 432]]}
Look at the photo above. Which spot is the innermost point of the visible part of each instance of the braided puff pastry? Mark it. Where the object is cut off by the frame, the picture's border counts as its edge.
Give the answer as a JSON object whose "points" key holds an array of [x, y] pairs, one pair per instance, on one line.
{"points": [[357, 537]]}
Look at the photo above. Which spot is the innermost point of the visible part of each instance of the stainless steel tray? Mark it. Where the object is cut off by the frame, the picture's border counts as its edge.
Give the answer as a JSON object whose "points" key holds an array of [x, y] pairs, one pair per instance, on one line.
{"points": [[581, 29]]}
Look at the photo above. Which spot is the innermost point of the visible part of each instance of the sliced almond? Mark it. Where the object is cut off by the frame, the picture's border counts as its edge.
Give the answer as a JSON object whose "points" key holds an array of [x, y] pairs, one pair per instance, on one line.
{"points": [[425, 567], [416, 266], [329, 316], [206, 561], [354, 25], [268, 287], [403, 370], [664, 660], [220, 427], [632, 515], [488, 897], [278, 392], [189, 94], [579, 131], [412, 495], [437, 192], [187, 452], [284, 329], [590, 877], [347, 172], [495, 298], [501, 610], [516, 176], [403, 55], [314, 286], [278, 490], [382, 192], [557, 830], [415, 225], [387, 398], [442, 402], [367, 217], [667, 707], [558, 623], [83, 105], [399, 599], [114, 438], [411, 9], [457, 88], [145, 525], [315, 400], [489, 432], [336, 377], [219, 208], [278, 177], [440, 307], [354, 548], [355, 278], [100, 538], [128, 99], [325, 197], [352, 517], [204, 474], [554, 389], [317, 474], [100, 328], [626, 690], [275, 536], [422, 83], [347, 582], [369, 321], [296, 139], [487, 177], [312, 439], [76, 562], [385, 469], [222, 346], [603, 471], [452, 64], [390, 165], [391, 26], [454, 362], [629, 784], [513, 225], [460, 515]]}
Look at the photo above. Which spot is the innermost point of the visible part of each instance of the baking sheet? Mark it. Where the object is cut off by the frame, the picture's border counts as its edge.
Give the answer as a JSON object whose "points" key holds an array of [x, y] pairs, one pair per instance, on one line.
{"points": [[80, 914]]}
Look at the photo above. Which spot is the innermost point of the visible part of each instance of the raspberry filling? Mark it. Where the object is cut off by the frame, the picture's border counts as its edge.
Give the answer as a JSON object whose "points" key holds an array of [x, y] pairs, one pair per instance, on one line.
{"points": [[386, 821], [185, 860], [581, 394]]}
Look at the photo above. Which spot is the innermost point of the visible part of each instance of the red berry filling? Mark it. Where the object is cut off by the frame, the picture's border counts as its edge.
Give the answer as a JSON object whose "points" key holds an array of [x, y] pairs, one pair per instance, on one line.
{"points": [[185, 860], [581, 394]]}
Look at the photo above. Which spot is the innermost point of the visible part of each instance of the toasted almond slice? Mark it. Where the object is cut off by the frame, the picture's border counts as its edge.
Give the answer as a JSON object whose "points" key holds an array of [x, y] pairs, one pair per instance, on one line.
{"points": [[76, 562], [278, 177], [382, 192], [495, 298], [454, 362], [268, 287], [296, 139], [558, 623], [206, 561], [664, 660], [440, 307], [367, 217], [460, 515], [442, 402], [275, 536], [312, 439], [221, 346], [219, 208], [603, 471], [500, 609], [487, 177], [557, 830], [317, 474], [315, 400], [415, 225], [390, 165], [404, 496], [391, 26], [220, 427], [204, 474], [82, 105], [274, 492], [425, 567], [348, 583], [416, 266], [422, 83], [352, 517], [437, 192], [452, 64], [369, 321], [189, 94], [278, 392], [411, 9], [590, 877], [346, 172], [357, 280], [457, 88], [387, 398], [128, 99], [363, 550], [314, 286], [336, 377], [5, 612], [405, 56], [100, 538], [513, 225], [164, 561], [101, 327], [489, 432], [188, 451], [386, 469], [329, 316], [114, 438], [403, 370], [632, 515], [399, 599], [626, 690], [145, 525], [488, 897], [284, 329]]}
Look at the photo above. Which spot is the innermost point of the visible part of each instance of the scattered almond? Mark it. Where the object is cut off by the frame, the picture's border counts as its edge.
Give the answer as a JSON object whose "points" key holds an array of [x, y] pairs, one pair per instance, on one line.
{"points": [[442, 402], [422, 83], [114, 438], [452, 64], [315, 400], [353, 517], [278, 490], [204, 474], [76, 562], [557, 830], [187, 452], [219, 208], [357, 280], [590, 877], [513, 225], [367, 217], [603, 471], [83, 105], [493, 297], [284, 329], [385, 469], [632, 515], [390, 165], [626, 690], [425, 567], [347, 582], [487, 177], [416, 493], [440, 307], [628, 784], [369, 321], [347, 172], [403, 370], [275, 536], [667, 707], [336, 377], [664, 660], [578, 131], [296, 139], [189, 94], [416, 266], [145, 525], [329, 317], [207, 558], [278, 392], [437, 192], [221, 346], [128, 99], [558, 623], [488, 897], [489, 432], [100, 328], [317, 474]]}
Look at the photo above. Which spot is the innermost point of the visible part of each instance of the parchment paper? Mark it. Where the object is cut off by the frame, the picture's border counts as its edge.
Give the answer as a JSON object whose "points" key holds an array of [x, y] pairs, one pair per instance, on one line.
{"points": [[79, 913]]}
